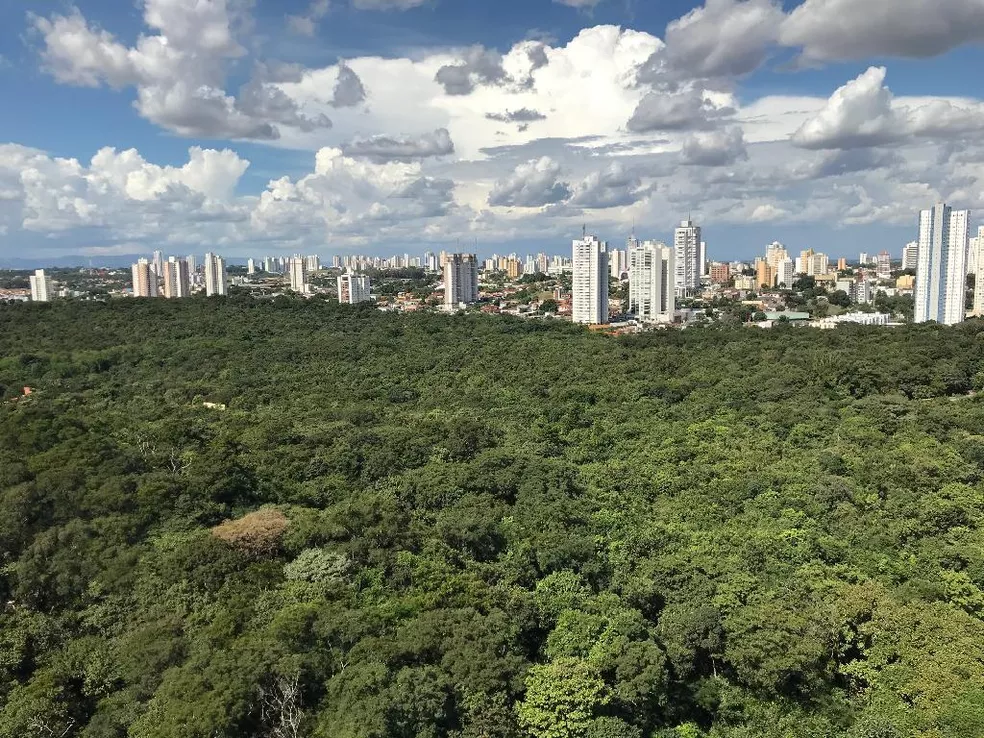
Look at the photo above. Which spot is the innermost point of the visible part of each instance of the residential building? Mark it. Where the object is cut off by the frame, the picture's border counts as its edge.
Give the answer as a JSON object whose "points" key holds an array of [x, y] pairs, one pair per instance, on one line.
{"points": [[514, 268], [192, 265], [176, 279], [720, 273], [687, 254], [42, 288], [884, 265], [144, 279], [251, 266], [618, 259], [158, 264], [765, 275], [842, 264], [652, 275], [785, 273], [864, 259], [460, 279], [774, 253], [910, 256], [299, 274], [977, 251], [590, 281], [353, 289], [942, 270], [313, 263], [905, 282], [702, 263], [216, 282]]}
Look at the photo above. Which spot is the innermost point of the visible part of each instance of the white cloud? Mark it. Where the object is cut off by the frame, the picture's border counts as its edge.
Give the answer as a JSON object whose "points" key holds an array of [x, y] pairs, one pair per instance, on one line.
{"points": [[532, 185], [831, 30], [715, 148], [402, 148]]}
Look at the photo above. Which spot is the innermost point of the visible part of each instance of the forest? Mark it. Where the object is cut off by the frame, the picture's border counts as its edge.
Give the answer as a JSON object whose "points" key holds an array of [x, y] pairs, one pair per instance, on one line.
{"points": [[240, 518]]}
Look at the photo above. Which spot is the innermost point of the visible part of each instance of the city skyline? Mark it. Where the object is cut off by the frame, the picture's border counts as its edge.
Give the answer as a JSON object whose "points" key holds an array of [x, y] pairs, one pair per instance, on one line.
{"points": [[419, 123]]}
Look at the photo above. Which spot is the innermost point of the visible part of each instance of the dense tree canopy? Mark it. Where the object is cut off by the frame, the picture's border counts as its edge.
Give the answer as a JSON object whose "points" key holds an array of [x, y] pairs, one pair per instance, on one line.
{"points": [[386, 526]]}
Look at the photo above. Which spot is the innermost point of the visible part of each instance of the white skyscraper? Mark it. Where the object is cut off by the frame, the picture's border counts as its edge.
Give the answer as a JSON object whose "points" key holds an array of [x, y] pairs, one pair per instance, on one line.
{"points": [[144, 279], [42, 289], [251, 266], [353, 289], [977, 252], [884, 265], [910, 255], [785, 273], [158, 264], [618, 261], [215, 275], [192, 264], [313, 263], [176, 279], [299, 274], [590, 282], [687, 255], [460, 280], [703, 258], [942, 271], [651, 282]]}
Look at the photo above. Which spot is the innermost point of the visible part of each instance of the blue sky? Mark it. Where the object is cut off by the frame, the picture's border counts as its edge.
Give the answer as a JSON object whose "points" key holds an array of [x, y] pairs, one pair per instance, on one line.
{"points": [[382, 126]]}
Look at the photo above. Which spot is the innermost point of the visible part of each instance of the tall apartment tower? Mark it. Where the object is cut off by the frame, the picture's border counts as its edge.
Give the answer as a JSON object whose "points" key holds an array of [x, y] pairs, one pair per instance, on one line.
{"points": [[785, 273], [144, 279], [158, 263], [299, 274], [652, 293], [977, 252], [590, 281], [353, 289], [177, 279], [42, 289], [910, 255], [942, 270], [313, 263], [687, 256], [460, 279], [215, 275], [884, 268]]}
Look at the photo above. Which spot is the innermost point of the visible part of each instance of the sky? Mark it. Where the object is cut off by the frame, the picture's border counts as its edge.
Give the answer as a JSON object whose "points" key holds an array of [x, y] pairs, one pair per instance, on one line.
{"points": [[255, 127]]}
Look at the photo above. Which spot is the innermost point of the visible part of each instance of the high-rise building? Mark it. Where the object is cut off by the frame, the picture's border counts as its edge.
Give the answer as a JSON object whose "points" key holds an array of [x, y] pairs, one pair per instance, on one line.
{"points": [[313, 263], [864, 259], [652, 291], [686, 246], [144, 279], [618, 260], [589, 291], [842, 264], [785, 273], [818, 265], [977, 250], [42, 288], [215, 275], [702, 258], [765, 275], [353, 289], [942, 271], [910, 256], [158, 265], [884, 265], [192, 265], [251, 266], [177, 281], [774, 253], [299, 274], [514, 268], [460, 279]]}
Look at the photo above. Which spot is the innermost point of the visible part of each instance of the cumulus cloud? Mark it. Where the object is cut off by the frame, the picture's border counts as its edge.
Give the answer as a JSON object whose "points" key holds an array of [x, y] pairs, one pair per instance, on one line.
{"points": [[863, 113], [531, 185], [684, 110], [615, 186], [349, 90], [523, 115], [402, 148], [832, 30], [479, 66], [715, 148], [179, 72]]}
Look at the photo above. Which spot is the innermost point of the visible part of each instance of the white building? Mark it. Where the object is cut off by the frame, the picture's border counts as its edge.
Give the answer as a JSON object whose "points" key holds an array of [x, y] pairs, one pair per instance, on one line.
{"points": [[785, 273], [977, 253], [589, 291], [910, 255], [618, 261], [460, 280], [884, 265], [652, 293], [312, 263], [144, 279], [353, 289], [176, 279], [299, 274], [687, 254], [158, 264], [942, 271], [216, 282], [702, 259], [856, 318], [251, 266], [42, 288]]}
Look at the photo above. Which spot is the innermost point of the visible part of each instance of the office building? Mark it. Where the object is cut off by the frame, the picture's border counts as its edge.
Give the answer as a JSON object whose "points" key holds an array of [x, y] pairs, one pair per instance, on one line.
{"points": [[42, 288], [589, 291], [176, 280], [910, 256], [215, 275], [942, 270], [460, 279], [144, 279], [977, 252], [299, 274], [687, 251], [353, 289], [652, 292]]}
